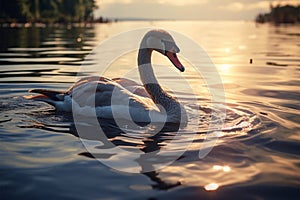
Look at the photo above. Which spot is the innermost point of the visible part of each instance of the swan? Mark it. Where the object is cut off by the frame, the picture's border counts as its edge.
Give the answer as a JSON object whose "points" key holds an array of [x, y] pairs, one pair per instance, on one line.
{"points": [[144, 103]]}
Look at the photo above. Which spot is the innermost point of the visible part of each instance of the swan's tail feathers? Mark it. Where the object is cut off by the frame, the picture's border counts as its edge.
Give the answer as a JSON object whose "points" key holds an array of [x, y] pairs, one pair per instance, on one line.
{"points": [[48, 94], [51, 97]]}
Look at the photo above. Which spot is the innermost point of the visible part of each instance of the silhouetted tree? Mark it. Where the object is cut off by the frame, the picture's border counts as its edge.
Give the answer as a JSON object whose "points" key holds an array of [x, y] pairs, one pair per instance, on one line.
{"points": [[280, 14], [47, 10], [11, 11]]}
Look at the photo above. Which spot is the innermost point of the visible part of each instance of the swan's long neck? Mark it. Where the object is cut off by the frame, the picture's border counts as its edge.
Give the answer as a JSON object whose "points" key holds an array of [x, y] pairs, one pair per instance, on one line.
{"points": [[145, 67], [158, 95]]}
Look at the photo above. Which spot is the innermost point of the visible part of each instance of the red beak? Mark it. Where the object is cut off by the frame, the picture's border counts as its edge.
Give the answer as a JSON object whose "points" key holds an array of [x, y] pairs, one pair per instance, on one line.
{"points": [[173, 58]]}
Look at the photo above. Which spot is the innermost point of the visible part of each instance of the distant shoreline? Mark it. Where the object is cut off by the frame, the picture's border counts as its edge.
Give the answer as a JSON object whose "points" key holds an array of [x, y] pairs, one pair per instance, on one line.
{"points": [[57, 24], [91, 23]]}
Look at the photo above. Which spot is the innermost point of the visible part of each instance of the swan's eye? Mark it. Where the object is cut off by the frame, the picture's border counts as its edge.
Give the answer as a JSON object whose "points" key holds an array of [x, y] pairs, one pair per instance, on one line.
{"points": [[170, 46]]}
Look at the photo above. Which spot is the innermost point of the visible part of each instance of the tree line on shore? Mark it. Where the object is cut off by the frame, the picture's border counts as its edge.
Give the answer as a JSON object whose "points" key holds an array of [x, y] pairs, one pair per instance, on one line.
{"points": [[280, 15], [47, 11]]}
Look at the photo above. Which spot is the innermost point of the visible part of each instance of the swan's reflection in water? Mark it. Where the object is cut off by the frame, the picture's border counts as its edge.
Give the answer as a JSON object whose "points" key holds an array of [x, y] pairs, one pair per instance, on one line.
{"points": [[148, 144], [142, 147]]}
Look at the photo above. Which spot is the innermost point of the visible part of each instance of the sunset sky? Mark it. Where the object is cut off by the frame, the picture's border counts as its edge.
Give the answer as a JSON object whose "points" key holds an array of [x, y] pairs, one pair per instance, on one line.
{"points": [[186, 9]]}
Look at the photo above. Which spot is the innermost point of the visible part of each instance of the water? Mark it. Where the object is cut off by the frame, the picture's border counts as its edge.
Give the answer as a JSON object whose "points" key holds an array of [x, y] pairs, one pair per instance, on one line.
{"points": [[255, 157]]}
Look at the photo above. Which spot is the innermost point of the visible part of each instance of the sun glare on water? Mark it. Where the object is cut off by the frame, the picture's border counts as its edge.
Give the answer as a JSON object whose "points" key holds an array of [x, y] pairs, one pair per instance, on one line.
{"points": [[211, 187]]}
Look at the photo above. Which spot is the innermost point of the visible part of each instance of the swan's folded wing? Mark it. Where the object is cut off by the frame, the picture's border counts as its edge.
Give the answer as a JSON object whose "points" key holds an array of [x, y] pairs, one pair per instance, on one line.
{"points": [[93, 93], [102, 92], [132, 86], [87, 79], [125, 82]]}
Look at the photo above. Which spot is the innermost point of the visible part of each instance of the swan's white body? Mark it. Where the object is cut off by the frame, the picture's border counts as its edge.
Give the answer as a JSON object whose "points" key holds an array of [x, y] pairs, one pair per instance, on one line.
{"points": [[124, 98]]}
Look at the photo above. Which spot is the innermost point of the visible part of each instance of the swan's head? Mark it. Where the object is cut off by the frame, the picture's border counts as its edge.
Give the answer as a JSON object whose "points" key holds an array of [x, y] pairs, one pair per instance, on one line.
{"points": [[162, 42]]}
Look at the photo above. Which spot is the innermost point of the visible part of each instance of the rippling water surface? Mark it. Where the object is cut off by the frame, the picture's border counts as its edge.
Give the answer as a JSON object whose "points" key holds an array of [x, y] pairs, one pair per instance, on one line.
{"points": [[256, 154]]}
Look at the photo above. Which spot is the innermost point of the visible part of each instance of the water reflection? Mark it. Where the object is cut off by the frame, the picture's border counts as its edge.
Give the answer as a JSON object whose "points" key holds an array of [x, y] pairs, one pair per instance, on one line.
{"points": [[211, 187], [116, 137], [224, 168], [45, 45], [48, 54], [224, 68], [144, 141]]}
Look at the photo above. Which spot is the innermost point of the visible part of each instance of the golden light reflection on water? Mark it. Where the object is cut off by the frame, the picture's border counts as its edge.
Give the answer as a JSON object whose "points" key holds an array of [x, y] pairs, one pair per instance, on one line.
{"points": [[211, 187], [224, 68], [242, 47], [210, 176], [214, 186], [227, 50], [224, 168]]}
